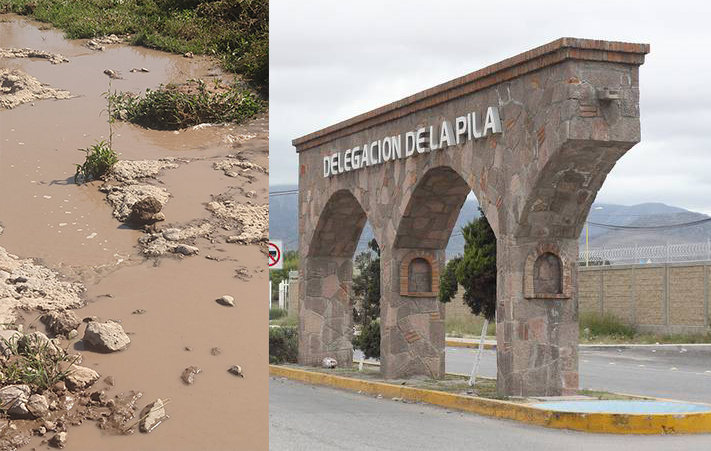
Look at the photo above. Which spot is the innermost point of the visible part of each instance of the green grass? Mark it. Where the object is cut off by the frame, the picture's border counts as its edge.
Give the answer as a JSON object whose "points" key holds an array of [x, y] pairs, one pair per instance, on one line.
{"points": [[172, 106], [468, 327], [35, 364], [277, 313], [235, 31], [608, 329], [100, 158]]}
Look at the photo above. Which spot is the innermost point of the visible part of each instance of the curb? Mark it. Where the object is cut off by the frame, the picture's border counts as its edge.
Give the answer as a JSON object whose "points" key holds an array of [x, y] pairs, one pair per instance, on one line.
{"points": [[467, 344], [604, 423]]}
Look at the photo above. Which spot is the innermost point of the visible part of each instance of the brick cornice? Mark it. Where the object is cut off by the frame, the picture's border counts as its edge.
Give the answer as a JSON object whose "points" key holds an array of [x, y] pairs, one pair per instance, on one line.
{"points": [[546, 55]]}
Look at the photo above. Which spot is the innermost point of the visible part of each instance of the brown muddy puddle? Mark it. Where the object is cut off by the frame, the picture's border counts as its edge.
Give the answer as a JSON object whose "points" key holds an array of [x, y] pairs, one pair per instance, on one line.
{"points": [[70, 228]]}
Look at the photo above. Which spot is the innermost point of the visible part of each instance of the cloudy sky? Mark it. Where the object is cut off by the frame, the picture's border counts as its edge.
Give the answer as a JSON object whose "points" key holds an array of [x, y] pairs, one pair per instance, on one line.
{"points": [[331, 60]]}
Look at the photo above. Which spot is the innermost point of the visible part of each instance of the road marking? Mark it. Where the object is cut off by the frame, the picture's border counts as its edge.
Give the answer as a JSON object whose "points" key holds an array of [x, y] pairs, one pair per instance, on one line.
{"points": [[673, 369], [612, 363], [641, 366]]}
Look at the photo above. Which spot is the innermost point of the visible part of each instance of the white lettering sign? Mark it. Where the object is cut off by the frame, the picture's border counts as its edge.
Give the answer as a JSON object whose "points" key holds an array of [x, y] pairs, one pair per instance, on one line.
{"points": [[424, 139]]}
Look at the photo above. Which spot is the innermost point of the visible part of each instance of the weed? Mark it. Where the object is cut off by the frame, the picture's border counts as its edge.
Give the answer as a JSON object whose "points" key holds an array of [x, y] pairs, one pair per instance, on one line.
{"points": [[235, 31], [172, 106], [594, 325], [36, 363], [100, 157]]}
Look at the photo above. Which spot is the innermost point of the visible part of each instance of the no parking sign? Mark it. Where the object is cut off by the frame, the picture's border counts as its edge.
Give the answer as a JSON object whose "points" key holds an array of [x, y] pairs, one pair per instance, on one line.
{"points": [[275, 255]]}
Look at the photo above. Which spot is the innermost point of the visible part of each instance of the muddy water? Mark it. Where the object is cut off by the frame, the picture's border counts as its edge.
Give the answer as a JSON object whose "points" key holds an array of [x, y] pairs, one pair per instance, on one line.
{"points": [[71, 229]]}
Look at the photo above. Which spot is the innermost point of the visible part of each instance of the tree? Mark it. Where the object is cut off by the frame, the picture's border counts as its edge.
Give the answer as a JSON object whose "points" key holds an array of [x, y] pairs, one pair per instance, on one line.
{"points": [[366, 285], [475, 271]]}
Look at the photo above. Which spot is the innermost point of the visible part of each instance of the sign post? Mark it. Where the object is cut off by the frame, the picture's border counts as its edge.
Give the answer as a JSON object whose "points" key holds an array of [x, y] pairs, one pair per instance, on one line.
{"points": [[276, 260]]}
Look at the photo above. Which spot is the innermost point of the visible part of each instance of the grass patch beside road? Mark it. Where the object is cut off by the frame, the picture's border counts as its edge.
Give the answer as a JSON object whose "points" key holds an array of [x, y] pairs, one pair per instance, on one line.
{"points": [[608, 329], [235, 31], [467, 327]]}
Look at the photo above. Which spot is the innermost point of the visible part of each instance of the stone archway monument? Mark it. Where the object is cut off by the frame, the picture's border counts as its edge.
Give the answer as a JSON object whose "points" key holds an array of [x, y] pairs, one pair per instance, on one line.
{"points": [[533, 137]]}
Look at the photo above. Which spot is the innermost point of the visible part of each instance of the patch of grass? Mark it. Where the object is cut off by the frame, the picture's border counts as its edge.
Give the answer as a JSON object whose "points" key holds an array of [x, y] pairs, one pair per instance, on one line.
{"points": [[607, 396], [235, 31], [283, 345], [276, 313], [34, 363], [286, 321], [595, 325], [467, 327], [172, 106], [99, 159]]}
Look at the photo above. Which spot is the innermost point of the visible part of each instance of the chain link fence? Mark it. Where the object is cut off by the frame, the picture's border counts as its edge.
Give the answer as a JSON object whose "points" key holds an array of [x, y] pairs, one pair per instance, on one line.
{"points": [[670, 253]]}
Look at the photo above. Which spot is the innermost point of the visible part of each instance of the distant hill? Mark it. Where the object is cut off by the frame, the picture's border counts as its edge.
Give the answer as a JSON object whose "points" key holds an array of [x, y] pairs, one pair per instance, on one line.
{"points": [[283, 224]]}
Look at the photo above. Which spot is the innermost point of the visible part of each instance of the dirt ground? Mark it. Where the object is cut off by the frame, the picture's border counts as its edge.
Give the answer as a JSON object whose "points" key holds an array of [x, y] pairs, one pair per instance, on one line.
{"points": [[69, 246]]}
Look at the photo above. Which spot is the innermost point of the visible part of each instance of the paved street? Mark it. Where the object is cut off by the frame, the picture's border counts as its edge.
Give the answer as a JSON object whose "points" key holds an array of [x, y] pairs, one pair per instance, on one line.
{"points": [[665, 373], [304, 417]]}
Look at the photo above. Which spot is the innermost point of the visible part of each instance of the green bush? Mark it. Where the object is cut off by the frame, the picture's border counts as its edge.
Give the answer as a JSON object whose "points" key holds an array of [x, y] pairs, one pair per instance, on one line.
{"points": [[369, 340], [100, 158], [172, 106], [596, 325], [283, 345], [33, 362], [276, 313]]}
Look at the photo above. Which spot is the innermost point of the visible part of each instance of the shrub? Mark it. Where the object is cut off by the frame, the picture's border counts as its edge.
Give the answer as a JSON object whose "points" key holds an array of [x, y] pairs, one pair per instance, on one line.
{"points": [[276, 313], [172, 106], [283, 345], [34, 362]]}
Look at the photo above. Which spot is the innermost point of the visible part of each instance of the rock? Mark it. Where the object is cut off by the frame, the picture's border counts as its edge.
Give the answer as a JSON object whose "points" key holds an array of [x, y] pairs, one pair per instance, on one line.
{"points": [[93, 45], [112, 74], [110, 381], [215, 351], [152, 415], [189, 55], [146, 211], [11, 437], [188, 375], [60, 322], [171, 234], [105, 337], [139, 311], [232, 239], [329, 362], [226, 300], [38, 405], [186, 250], [142, 69], [236, 370], [14, 398], [59, 440], [41, 431], [79, 377]]}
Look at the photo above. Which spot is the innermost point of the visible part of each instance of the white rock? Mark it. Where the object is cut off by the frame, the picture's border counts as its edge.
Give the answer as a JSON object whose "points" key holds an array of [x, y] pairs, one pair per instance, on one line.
{"points": [[13, 399], [152, 415], [105, 337], [226, 300]]}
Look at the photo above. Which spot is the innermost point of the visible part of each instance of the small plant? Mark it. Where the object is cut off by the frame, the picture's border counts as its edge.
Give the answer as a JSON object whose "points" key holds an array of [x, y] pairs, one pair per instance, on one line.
{"points": [[276, 313], [36, 363], [100, 157], [594, 326]]}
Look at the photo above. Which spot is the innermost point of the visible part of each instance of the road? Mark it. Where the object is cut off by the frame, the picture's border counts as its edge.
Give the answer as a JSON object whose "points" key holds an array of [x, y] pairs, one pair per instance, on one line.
{"points": [[304, 417], [664, 373]]}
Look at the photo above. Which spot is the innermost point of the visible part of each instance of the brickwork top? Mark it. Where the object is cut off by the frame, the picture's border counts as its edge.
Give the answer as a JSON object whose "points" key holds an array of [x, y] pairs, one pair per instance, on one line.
{"points": [[546, 55]]}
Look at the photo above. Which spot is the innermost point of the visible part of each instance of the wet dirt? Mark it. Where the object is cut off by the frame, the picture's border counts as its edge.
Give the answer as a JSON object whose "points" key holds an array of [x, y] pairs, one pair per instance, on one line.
{"points": [[71, 229]]}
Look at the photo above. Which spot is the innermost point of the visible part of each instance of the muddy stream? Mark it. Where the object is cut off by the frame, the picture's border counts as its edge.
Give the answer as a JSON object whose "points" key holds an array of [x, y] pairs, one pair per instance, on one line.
{"points": [[71, 229]]}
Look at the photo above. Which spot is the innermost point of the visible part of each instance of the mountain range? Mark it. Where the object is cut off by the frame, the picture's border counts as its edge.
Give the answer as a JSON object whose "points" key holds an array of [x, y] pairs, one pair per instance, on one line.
{"points": [[283, 224]]}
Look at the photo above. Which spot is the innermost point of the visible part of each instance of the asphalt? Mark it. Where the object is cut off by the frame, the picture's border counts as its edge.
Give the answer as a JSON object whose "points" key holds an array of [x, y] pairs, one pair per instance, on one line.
{"points": [[304, 417], [682, 373]]}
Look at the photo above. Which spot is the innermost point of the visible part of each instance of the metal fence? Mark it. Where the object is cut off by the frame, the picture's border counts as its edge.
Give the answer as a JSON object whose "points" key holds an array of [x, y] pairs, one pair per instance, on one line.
{"points": [[670, 253]]}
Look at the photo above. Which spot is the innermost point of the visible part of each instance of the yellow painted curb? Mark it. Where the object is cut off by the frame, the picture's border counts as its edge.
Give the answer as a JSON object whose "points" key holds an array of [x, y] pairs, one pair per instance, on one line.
{"points": [[607, 423], [467, 344]]}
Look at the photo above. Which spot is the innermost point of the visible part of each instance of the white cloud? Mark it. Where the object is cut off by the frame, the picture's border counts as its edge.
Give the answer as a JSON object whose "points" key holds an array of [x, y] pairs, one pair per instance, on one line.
{"points": [[333, 60]]}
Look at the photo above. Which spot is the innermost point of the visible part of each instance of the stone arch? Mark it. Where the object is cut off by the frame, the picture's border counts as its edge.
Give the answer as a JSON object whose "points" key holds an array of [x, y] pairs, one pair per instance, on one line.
{"points": [[432, 210], [326, 328]]}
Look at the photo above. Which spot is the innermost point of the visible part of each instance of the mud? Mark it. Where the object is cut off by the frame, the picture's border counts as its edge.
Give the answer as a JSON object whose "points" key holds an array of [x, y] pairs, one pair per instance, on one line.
{"points": [[75, 231], [54, 58], [17, 87]]}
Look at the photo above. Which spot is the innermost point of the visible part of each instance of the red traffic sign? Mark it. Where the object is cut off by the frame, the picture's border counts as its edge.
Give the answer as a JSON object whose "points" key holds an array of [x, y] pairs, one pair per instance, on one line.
{"points": [[275, 255]]}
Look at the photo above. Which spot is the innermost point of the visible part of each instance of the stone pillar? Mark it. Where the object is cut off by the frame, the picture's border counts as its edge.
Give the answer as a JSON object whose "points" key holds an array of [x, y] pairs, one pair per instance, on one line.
{"points": [[411, 317], [537, 316], [325, 312]]}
